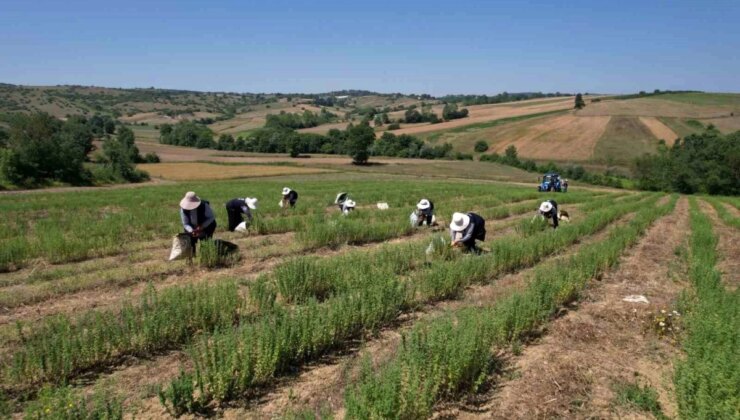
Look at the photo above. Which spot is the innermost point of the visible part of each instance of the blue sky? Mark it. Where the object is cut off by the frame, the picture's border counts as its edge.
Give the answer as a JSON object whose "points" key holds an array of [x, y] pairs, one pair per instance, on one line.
{"points": [[410, 46]]}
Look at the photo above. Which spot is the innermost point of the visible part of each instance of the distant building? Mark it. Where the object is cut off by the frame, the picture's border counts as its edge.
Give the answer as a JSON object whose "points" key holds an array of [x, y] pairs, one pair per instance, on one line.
{"points": [[342, 97]]}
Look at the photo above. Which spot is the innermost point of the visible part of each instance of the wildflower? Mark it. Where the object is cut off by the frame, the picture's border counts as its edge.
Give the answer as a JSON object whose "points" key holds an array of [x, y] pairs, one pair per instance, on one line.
{"points": [[662, 324]]}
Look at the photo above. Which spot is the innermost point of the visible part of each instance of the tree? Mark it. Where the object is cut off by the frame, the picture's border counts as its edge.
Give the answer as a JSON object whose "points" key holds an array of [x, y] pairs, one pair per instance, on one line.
{"points": [[127, 139], [481, 146], [359, 140], [450, 112], [378, 120], [42, 148], [579, 102]]}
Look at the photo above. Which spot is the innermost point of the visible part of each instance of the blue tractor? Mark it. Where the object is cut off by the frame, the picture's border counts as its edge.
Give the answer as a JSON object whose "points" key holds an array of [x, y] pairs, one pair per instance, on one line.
{"points": [[551, 182]]}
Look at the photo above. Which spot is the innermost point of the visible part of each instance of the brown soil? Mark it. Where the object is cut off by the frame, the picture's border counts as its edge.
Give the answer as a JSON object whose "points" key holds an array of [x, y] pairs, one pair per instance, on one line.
{"points": [[571, 372], [321, 385], [728, 247], [659, 130]]}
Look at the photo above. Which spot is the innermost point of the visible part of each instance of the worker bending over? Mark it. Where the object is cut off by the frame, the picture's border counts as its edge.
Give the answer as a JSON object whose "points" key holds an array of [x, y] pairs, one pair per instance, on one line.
{"points": [[197, 218], [465, 229], [290, 197], [424, 212], [238, 206], [549, 210]]}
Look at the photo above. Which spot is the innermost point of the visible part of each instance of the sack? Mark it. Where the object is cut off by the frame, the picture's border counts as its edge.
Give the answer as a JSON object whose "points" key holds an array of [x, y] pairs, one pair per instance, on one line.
{"points": [[414, 219], [563, 215], [383, 206], [181, 247], [241, 227], [225, 247], [281, 203]]}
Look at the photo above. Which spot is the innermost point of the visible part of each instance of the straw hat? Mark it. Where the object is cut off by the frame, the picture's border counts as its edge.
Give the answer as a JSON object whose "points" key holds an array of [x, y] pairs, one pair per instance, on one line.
{"points": [[190, 201], [286, 191], [349, 204], [423, 204], [545, 207], [251, 203], [460, 221]]}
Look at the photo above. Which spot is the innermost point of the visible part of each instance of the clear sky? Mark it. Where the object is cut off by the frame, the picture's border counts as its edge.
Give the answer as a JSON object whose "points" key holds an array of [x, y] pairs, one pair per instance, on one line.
{"points": [[408, 46]]}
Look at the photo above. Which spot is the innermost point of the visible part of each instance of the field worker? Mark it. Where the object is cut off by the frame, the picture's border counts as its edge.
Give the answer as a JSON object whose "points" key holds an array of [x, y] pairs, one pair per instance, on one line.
{"points": [[197, 218], [565, 185], [238, 206], [549, 210], [347, 206], [465, 229], [289, 198], [424, 212]]}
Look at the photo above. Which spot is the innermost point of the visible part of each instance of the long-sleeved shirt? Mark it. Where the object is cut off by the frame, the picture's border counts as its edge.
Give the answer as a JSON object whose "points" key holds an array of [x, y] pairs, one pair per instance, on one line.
{"points": [[467, 233], [475, 230], [239, 204], [552, 214], [190, 220]]}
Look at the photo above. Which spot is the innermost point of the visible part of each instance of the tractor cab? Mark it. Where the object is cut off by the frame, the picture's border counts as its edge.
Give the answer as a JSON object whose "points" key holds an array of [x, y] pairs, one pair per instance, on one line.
{"points": [[550, 182]]}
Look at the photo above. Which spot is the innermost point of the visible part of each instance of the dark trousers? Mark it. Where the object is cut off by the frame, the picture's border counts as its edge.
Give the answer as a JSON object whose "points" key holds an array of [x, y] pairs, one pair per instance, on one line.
{"points": [[235, 217], [207, 233]]}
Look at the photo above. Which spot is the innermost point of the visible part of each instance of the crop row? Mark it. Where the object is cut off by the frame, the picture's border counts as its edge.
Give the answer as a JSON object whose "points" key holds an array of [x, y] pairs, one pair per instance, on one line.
{"points": [[231, 362], [708, 378], [62, 347], [451, 354], [113, 222], [723, 212]]}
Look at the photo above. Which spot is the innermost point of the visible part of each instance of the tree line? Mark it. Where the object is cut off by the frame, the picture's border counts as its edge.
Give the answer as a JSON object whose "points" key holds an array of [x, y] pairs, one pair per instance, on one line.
{"points": [[467, 100], [295, 121], [707, 163], [40, 150], [357, 141]]}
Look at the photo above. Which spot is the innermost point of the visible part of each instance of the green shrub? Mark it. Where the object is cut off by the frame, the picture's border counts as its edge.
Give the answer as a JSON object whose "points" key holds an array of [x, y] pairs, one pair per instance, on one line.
{"points": [[178, 396], [481, 146], [214, 254]]}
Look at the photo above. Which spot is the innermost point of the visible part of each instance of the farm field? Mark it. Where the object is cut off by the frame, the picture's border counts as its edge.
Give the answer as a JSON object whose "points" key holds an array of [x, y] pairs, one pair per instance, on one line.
{"points": [[321, 314]]}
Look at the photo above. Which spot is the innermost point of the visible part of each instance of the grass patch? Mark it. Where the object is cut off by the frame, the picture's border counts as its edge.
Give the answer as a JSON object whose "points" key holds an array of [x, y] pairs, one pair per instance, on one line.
{"points": [[437, 135], [624, 139], [634, 396]]}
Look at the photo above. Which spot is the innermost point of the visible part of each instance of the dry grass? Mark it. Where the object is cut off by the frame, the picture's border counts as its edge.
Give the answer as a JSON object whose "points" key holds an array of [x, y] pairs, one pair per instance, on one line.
{"points": [[490, 112], [654, 107], [206, 171], [659, 130], [725, 124], [624, 139], [565, 137]]}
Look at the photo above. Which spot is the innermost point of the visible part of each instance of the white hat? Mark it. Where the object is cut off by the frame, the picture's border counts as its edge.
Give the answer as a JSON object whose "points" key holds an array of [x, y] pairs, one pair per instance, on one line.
{"points": [[286, 191], [349, 204], [459, 222], [423, 204], [545, 207], [190, 201], [251, 203]]}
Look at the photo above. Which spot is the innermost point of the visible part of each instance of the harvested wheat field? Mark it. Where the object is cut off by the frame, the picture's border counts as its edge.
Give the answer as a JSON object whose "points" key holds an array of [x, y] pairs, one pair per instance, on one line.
{"points": [[654, 107], [565, 137], [486, 113], [200, 171], [659, 130], [724, 124]]}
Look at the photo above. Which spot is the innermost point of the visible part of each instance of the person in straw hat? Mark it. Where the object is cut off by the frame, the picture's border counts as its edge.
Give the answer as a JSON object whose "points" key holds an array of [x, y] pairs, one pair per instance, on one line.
{"points": [[465, 229], [424, 212], [289, 198], [347, 206], [238, 206], [549, 210], [197, 218]]}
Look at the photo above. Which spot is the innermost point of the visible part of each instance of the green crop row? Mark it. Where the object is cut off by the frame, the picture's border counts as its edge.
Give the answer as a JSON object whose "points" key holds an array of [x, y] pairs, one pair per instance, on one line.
{"points": [[451, 354], [231, 362], [114, 221], [708, 378], [62, 348], [723, 212]]}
